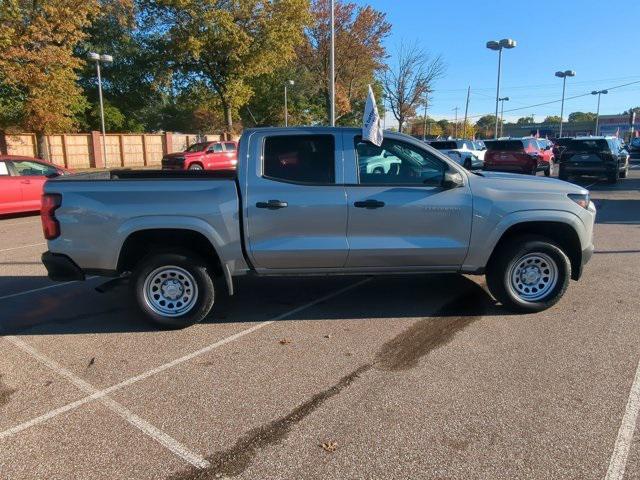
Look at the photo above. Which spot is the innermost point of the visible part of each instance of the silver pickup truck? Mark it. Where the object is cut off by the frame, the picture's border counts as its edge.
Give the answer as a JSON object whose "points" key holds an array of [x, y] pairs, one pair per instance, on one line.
{"points": [[305, 201]]}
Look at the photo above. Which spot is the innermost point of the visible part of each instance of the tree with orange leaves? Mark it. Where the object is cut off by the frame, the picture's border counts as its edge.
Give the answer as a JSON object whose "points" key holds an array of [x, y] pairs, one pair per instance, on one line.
{"points": [[37, 40]]}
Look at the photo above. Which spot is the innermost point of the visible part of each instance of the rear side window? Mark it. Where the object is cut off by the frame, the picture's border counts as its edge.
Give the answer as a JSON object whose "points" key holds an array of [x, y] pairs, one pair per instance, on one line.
{"points": [[588, 146], [230, 147], [300, 158], [505, 145]]}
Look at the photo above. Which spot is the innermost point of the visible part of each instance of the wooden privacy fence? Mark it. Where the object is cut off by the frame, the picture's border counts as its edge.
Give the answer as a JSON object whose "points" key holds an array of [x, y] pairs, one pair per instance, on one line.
{"points": [[84, 150]]}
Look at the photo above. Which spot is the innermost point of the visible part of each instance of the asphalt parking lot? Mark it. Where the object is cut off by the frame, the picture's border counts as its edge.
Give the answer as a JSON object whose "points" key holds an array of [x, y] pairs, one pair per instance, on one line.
{"points": [[385, 377]]}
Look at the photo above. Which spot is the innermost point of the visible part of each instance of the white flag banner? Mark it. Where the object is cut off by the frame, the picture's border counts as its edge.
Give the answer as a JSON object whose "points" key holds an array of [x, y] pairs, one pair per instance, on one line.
{"points": [[371, 130]]}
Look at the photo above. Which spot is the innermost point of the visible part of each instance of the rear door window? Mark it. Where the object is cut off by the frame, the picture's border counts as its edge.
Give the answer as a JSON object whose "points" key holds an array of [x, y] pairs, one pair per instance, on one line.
{"points": [[230, 147], [444, 145], [300, 158]]}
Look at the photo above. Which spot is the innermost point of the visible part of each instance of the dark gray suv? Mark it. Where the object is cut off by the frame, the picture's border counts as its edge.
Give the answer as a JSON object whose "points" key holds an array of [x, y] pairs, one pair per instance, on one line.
{"points": [[594, 156]]}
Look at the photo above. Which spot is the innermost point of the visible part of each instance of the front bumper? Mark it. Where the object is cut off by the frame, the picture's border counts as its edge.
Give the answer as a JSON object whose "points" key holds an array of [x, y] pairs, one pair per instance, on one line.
{"points": [[587, 253], [61, 268]]}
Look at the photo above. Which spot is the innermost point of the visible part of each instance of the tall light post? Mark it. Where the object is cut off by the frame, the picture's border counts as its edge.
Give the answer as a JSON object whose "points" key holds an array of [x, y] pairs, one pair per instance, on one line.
{"points": [[499, 46], [598, 92], [426, 104], [502, 100], [332, 68], [563, 76], [286, 110], [96, 57]]}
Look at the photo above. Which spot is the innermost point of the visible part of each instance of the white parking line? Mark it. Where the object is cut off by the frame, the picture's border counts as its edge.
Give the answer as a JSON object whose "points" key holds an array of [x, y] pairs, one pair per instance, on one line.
{"points": [[27, 292], [101, 394], [618, 461], [148, 429], [22, 246]]}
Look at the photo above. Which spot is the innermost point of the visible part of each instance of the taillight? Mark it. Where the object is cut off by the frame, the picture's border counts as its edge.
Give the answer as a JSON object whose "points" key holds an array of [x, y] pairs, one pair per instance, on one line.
{"points": [[50, 226]]}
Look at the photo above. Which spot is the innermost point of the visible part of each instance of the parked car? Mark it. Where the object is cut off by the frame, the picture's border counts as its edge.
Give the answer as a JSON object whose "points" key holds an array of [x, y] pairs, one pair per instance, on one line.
{"points": [[480, 149], [546, 150], [634, 147], [597, 156], [204, 156], [462, 151], [521, 155], [300, 204], [21, 182]]}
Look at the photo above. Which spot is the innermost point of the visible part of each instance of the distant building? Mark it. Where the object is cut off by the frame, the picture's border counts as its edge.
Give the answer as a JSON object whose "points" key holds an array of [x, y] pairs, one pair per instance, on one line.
{"points": [[608, 125]]}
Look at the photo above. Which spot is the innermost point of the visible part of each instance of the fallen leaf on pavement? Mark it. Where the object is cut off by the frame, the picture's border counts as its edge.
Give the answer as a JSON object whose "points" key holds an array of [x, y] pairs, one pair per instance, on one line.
{"points": [[285, 341], [329, 446]]}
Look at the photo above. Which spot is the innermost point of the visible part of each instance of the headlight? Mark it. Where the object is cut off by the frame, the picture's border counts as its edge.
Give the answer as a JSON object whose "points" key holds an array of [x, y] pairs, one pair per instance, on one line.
{"points": [[581, 199]]}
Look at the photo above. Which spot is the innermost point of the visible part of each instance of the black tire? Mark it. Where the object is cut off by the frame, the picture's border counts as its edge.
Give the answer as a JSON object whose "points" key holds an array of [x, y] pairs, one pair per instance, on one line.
{"points": [[562, 175], [614, 177], [467, 164], [195, 166], [548, 172], [204, 291], [502, 266]]}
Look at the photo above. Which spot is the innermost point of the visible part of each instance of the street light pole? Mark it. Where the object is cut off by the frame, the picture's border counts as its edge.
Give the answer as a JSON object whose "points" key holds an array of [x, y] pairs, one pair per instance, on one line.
{"points": [[332, 68], [502, 100], [106, 59], [499, 46], [563, 76], [286, 111], [424, 127], [598, 92]]}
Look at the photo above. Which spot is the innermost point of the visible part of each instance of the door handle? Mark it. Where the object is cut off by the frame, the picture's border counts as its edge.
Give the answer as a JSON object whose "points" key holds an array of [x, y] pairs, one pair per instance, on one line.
{"points": [[272, 204], [369, 204]]}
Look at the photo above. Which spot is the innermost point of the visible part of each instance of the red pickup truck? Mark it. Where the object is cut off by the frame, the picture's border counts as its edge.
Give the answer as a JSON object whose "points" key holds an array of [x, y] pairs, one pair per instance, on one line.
{"points": [[204, 156]]}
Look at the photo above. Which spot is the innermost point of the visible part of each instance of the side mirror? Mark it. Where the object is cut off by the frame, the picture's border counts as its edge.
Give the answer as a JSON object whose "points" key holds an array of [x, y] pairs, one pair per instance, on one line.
{"points": [[53, 174], [452, 180]]}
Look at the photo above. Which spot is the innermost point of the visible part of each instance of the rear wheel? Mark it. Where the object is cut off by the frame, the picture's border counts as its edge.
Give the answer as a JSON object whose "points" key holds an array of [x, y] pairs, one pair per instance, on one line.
{"points": [[173, 289], [614, 177], [548, 172], [529, 274], [195, 166], [467, 164]]}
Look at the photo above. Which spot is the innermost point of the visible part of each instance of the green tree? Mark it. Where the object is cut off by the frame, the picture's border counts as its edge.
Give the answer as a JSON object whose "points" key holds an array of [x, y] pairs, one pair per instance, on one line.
{"points": [[37, 64], [224, 44], [486, 126], [553, 119], [525, 120], [581, 117]]}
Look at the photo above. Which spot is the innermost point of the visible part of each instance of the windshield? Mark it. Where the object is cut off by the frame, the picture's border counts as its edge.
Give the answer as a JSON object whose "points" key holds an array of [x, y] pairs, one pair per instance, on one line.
{"points": [[505, 145], [197, 147], [444, 145]]}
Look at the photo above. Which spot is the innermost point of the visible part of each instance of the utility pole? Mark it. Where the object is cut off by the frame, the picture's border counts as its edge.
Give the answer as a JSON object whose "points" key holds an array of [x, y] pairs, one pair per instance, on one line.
{"points": [[424, 127], [332, 67], [456, 123], [466, 112]]}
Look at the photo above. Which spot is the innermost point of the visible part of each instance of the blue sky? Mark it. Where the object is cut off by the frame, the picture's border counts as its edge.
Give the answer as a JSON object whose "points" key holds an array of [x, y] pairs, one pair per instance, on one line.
{"points": [[600, 40]]}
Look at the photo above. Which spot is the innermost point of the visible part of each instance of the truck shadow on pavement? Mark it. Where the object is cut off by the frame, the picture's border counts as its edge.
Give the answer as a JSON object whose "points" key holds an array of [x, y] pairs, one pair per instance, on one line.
{"points": [[78, 309]]}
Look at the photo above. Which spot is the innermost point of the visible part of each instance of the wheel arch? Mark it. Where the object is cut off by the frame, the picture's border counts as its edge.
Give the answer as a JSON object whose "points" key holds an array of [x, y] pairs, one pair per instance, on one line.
{"points": [[140, 242], [562, 233]]}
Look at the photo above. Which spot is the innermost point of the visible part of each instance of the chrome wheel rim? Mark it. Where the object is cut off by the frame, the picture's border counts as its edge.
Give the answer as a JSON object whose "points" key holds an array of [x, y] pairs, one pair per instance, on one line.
{"points": [[170, 291], [533, 276]]}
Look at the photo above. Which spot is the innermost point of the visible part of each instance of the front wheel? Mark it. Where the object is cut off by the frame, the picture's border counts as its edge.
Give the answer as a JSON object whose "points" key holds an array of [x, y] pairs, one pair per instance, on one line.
{"points": [[530, 274], [548, 172], [195, 166], [173, 289]]}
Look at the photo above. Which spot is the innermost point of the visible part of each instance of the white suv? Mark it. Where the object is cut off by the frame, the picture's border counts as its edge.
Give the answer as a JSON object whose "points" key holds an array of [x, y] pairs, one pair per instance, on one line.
{"points": [[464, 152]]}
